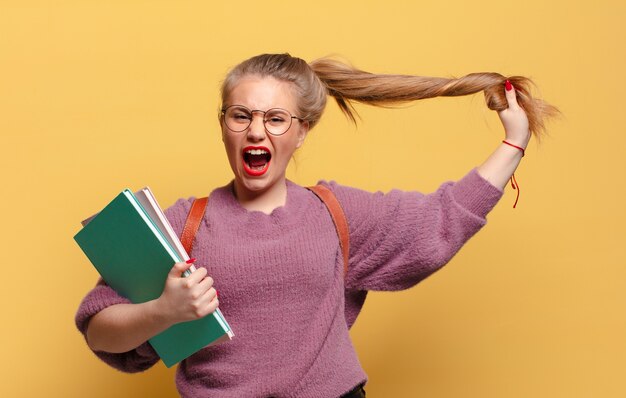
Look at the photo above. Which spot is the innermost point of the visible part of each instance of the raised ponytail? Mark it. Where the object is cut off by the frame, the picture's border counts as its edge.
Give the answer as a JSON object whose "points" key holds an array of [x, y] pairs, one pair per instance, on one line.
{"points": [[346, 84]]}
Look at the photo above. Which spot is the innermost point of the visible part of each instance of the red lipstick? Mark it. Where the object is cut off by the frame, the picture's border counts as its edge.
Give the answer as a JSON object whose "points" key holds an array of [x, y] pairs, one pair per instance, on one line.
{"points": [[255, 171]]}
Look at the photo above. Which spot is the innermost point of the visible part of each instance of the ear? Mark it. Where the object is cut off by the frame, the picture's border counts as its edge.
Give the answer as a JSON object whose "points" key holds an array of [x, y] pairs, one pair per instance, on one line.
{"points": [[222, 128], [302, 132]]}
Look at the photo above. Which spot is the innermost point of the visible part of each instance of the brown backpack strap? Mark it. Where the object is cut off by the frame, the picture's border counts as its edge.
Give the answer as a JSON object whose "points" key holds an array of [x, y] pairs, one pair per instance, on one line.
{"points": [[339, 219], [193, 223]]}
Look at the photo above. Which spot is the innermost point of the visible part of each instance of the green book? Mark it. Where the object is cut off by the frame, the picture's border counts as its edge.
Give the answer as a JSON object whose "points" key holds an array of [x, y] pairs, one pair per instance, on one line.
{"points": [[133, 256]]}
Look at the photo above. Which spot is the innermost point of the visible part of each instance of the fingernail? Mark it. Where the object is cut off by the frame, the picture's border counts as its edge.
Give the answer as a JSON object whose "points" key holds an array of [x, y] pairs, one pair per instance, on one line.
{"points": [[191, 260], [216, 293], [508, 86]]}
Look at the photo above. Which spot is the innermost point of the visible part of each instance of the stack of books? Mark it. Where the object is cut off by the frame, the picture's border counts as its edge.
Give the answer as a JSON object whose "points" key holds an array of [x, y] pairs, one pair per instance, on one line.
{"points": [[134, 247]]}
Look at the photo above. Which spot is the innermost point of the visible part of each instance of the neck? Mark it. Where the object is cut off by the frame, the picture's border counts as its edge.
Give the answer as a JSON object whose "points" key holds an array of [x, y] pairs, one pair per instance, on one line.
{"points": [[265, 201]]}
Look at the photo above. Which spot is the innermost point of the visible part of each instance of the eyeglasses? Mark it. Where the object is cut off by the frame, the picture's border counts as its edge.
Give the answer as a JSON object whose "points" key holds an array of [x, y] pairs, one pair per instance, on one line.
{"points": [[276, 120]]}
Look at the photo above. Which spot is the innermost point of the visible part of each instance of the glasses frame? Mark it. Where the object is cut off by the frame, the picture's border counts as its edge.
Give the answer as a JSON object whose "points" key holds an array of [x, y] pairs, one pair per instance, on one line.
{"points": [[252, 111]]}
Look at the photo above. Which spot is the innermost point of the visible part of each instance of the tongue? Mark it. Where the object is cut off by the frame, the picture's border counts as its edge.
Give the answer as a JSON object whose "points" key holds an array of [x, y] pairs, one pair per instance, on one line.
{"points": [[258, 160]]}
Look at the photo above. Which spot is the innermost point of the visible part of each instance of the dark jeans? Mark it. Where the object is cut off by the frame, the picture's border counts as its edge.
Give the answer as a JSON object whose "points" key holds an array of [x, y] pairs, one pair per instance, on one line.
{"points": [[357, 392]]}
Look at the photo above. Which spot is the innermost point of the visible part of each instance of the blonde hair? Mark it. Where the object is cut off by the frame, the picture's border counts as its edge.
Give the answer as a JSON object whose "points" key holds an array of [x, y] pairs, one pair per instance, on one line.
{"points": [[313, 82]]}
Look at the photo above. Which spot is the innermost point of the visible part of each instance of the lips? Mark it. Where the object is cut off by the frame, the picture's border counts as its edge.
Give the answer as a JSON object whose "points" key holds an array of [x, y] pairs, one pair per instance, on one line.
{"points": [[256, 160]]}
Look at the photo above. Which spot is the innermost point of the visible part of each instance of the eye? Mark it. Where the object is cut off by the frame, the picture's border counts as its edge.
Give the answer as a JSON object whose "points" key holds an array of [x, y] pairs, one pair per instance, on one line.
{"points": [[241, 116], [276, 119]]}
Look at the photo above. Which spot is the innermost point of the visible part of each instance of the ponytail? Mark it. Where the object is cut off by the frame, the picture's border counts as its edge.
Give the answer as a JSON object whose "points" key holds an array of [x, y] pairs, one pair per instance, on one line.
{"points": [[348, 84]]}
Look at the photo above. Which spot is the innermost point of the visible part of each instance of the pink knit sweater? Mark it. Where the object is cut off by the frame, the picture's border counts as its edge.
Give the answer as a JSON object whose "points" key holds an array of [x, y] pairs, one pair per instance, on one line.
{"points": [[282, 288]]}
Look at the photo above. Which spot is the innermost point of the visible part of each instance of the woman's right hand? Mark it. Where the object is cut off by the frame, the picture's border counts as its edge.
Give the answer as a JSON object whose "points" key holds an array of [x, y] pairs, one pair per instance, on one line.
{"points": [[187, 298]]}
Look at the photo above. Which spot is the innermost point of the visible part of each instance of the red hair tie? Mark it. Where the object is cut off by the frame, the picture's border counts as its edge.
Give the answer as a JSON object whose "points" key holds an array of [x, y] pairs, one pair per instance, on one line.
{"points": [[514, 183]]}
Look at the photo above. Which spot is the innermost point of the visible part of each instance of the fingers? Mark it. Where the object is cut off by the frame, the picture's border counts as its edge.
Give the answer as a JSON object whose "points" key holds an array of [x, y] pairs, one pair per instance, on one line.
{"points": [[207, 303], [188, 298], [511, 98], [193, 280], [187, 268], [206, 308], [514, 118], [198, 284], [178, 269], [206, 286], [196, 276]]}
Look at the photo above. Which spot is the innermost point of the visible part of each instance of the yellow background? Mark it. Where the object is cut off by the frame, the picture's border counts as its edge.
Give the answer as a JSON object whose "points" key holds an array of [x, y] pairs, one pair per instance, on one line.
{"points": [[96, 96]]}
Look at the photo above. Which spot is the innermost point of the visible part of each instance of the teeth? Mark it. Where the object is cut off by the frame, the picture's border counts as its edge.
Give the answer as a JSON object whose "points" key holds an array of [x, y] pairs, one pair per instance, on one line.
{"points": [[256, 151]]}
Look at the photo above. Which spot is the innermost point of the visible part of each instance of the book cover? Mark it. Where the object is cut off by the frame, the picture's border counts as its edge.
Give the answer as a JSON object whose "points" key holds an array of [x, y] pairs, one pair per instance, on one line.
{"points": [[134, 258], [150, 205]]}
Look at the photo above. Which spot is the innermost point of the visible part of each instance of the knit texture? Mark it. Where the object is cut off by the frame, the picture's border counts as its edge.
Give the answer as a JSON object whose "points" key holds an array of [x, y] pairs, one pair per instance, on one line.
{"points": [[282, 288]]}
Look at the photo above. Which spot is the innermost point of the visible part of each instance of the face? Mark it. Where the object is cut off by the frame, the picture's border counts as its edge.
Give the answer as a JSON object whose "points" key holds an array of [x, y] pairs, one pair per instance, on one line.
{"points": [[259, 160]]}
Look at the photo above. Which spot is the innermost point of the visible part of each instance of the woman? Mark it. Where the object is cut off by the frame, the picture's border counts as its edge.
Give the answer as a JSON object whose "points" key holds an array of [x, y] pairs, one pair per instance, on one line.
{"points": [[271, 246]]}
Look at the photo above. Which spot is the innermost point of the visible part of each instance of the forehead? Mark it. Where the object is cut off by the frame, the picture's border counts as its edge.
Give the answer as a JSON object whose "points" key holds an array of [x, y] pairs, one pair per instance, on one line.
{"points": [[256, 92]]}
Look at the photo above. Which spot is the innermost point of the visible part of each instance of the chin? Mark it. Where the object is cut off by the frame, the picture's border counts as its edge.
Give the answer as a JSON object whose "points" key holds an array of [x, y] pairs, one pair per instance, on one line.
{"points": [[253, 184]]}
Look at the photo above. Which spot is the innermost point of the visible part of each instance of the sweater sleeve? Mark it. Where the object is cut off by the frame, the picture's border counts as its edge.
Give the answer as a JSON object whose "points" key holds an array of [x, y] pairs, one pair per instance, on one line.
{"points": [[103, 296], [399, 238], [99, 298]]}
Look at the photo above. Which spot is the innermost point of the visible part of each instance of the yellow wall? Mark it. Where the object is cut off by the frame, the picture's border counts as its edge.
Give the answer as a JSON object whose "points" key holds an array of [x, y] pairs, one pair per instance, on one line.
{"points": [[96, 96]]}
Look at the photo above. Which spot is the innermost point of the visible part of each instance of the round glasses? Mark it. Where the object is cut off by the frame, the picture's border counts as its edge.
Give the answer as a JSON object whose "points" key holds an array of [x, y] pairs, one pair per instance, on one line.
{"points": [[276, 120]]}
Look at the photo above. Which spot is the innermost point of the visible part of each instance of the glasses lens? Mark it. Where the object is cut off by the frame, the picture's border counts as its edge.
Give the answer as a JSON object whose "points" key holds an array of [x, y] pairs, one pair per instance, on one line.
{"points": [[237, 118], [277, 121]]}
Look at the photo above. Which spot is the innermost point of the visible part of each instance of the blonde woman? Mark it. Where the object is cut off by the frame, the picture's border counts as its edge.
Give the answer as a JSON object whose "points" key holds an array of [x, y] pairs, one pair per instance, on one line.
{"points": [[271, 247]]}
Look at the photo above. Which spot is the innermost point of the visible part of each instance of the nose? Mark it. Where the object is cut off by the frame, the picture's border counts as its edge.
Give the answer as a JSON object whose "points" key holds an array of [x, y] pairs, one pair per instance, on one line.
{"points": [[256, 130]]}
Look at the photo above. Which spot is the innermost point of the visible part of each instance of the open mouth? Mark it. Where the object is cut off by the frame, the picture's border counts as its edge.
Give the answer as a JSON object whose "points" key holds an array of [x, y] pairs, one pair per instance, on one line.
{"points": [[256, 160]]}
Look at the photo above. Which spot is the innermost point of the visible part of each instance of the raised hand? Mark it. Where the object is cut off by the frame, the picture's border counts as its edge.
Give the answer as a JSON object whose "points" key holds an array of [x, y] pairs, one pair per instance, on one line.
{"points": [[514, 119], [500, 165]]}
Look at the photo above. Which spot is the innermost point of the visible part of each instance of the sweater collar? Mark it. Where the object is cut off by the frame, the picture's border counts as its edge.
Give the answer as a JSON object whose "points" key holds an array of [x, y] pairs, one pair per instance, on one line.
{"points": [[225, 198]]}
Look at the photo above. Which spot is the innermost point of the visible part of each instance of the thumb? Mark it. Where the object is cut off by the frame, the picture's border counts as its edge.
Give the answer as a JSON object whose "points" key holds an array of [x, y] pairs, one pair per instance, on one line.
{"points": [[178, 269], [511, 97]]}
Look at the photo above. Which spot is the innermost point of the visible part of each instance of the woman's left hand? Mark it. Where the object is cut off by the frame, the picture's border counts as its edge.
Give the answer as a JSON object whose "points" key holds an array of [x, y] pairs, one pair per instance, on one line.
{"points": [[501, 164], [514, 120]]}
